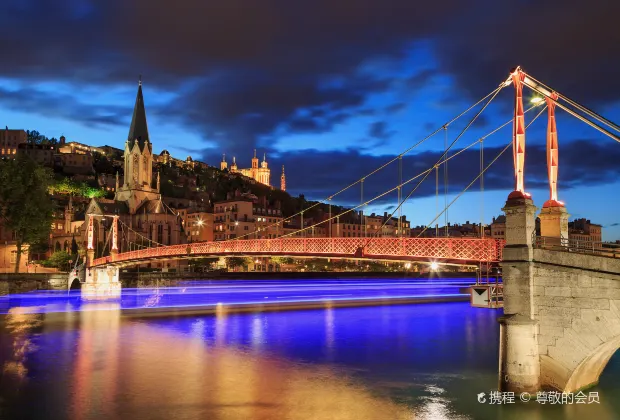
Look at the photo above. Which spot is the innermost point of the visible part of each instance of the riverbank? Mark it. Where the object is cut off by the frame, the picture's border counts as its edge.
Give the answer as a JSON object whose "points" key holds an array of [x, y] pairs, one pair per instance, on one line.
{"points": [[11, 283]]}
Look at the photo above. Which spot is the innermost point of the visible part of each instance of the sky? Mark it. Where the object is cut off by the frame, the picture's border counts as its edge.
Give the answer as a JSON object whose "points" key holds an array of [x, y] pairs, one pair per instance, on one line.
{"points": [[332, 89]]}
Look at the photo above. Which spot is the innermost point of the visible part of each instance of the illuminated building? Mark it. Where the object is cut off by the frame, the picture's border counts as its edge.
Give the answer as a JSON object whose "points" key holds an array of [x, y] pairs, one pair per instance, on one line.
{"points": [[261, 174], [10, 140], [246, 216]]}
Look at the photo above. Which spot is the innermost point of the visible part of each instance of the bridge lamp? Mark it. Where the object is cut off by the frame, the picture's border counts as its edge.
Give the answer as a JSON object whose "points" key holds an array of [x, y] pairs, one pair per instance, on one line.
{"points": [[536, 100], [434, 266], [408, 266]]}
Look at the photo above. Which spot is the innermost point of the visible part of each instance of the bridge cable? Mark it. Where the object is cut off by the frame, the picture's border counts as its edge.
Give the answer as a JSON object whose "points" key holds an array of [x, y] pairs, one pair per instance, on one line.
{"points": [[400, 181], [436, 198], [480, 174], [492, 93], [482, 228], [577, 105], [427, 171], [390, 190], [445, 153], [362, 224], [445, 182]]}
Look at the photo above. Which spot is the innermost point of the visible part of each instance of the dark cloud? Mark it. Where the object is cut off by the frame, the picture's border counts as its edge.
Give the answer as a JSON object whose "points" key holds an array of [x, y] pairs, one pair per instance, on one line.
{"points": [[395, 107], [53, 105], [333, 170], [421, 79], [245, 70], [379, 130], [564, 43]]}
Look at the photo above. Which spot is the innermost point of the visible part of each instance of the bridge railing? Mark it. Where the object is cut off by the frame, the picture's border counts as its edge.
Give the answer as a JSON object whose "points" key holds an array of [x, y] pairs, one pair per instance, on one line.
{"points": [[453, 249], [603, 249]]}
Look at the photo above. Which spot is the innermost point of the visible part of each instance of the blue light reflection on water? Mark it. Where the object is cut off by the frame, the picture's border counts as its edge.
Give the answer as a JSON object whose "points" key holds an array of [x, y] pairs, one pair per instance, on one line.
{"points": [[433, 357], [242, 292]]}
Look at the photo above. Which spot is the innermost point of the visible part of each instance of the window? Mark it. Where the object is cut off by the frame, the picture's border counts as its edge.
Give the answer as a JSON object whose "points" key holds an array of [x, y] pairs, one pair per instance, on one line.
{"points": [[245, 228], [13, 257], [160, 233]]}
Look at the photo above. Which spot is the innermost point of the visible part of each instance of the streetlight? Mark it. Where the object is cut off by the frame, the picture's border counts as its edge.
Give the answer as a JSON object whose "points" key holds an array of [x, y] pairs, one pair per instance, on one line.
{"points": [[434, 266]]}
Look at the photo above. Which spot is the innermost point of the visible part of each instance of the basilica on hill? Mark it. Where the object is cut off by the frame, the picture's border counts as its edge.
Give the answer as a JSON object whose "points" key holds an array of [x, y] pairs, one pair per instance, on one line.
{"points": [[260, 174]]}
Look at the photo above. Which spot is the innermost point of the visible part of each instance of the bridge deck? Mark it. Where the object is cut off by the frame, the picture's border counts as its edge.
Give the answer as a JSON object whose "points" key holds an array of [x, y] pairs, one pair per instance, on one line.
{"points": [[447, 250]]}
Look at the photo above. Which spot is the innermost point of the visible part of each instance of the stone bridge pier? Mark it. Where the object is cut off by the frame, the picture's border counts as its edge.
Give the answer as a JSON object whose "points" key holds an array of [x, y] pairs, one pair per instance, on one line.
{"points": [[561, 322], [101, 282]]}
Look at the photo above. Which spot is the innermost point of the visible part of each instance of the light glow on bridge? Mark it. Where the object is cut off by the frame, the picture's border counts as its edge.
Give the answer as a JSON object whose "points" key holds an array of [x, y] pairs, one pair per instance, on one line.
{"points": [[444, 250]]}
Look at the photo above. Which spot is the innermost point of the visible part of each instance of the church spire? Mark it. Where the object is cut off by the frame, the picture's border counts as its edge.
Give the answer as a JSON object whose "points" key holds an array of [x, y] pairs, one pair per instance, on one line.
{"points": [[283, 180], [138, 131]]}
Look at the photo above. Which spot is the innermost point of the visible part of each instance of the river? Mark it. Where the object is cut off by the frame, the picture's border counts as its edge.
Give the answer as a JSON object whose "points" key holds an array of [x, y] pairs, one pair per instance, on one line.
{"points": [[88, 360]]}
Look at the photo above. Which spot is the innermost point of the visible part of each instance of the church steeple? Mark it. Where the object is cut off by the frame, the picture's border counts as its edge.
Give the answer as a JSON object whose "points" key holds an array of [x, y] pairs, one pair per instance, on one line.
{"points": [[138, 131]]}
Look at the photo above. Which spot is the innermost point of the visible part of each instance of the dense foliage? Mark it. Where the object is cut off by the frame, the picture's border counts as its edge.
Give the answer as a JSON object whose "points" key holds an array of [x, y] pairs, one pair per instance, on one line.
{"points": [[25, 206]]}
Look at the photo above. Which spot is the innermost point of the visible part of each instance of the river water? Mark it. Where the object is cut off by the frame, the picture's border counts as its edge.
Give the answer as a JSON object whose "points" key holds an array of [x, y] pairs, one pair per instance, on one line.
{"points": [[423, 361]]}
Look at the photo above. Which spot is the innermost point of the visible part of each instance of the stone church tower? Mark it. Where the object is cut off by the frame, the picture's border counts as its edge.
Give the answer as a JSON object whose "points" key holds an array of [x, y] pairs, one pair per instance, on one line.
{"points": [[138, 179]]}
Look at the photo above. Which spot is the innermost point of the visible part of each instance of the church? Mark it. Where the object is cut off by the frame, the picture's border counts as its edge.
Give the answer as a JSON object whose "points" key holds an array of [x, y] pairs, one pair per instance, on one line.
{"points": [[260, 174], [138, 201]]}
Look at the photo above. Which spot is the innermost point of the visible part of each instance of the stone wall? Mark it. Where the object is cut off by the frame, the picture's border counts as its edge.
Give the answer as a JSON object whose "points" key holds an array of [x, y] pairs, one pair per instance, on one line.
{"points": [[576, 301], [24, 282]]}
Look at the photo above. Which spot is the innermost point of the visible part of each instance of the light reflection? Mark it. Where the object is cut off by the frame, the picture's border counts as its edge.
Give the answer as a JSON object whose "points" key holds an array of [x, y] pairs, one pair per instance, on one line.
{"points": [[221, 319], [329, 332], [97, 359], [225, 383], [257, 332], [20, 325], [436, 406]]}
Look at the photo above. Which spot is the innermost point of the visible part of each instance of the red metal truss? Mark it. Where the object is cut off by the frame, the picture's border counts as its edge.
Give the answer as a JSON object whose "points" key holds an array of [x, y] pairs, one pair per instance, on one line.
{"points": [[462, 250]]}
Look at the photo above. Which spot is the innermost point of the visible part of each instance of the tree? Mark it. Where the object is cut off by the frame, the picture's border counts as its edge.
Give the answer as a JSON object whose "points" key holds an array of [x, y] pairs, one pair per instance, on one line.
{"points": [[74, 246], [34, 137], [282, 260], [234, 262], [25, 206], [59, 259]]}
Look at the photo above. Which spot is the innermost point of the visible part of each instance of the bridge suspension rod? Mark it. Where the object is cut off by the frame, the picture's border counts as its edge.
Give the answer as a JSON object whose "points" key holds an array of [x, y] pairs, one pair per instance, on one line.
{"points": [[492, 93], [443, 155], [479, 175], [425, 172]]}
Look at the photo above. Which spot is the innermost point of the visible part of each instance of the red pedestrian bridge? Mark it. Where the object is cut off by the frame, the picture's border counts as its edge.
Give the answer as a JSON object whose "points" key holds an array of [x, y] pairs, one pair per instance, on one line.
{"points": [[463, 251]]}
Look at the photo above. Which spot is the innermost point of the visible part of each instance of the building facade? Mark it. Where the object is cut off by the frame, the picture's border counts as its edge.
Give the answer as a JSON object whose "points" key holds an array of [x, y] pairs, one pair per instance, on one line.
{"points": [[258, 172], [10, 141], [585, 231], [245, 216]]}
